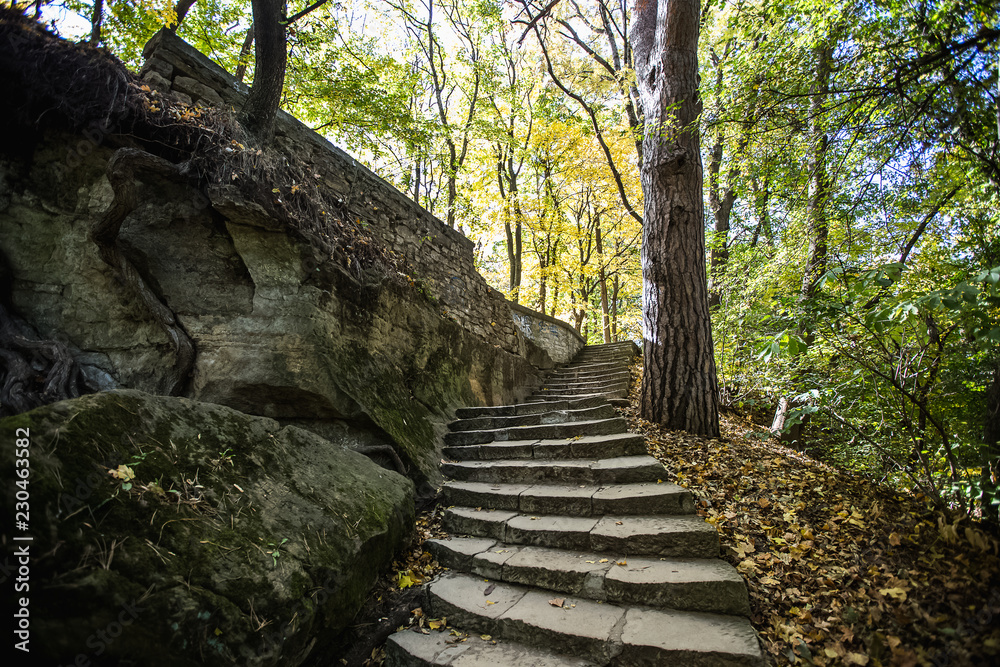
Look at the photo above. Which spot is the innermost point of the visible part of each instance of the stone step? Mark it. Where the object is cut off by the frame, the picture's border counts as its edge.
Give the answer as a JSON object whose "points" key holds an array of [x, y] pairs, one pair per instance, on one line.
{"points": [[528, 408], [551, 417], [572, 499], [582, 388], [589, 387], [538, 432], [618, 470], [620, 374], [689, 584], [569, 372], [585, 447], [567, 396], [443, 649], [606, 634], [666, 536], [594, 367]]}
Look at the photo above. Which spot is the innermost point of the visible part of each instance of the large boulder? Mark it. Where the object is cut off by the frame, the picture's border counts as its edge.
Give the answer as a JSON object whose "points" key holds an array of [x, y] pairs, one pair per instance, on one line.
{"points": [[168, 531]]}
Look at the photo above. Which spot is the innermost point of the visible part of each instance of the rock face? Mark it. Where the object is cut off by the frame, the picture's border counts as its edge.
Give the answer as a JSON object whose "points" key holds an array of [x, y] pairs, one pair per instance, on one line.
{"points": [[237, 541], [277, 329]]}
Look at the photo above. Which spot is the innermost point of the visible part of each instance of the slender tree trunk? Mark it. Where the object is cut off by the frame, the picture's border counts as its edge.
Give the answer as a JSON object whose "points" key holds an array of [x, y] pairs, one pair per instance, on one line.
{"points": [[819, 180], [181, 10], [819, 229], [603, 281], [762, 204], [271, 57], [96, 21], [614, 308], [990, 476], [241, 69], [722, 207], [679, 384]]}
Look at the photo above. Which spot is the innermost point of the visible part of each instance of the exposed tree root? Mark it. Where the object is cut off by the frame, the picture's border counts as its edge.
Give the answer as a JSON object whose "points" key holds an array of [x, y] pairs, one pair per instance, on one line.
{"points": [[121, 172], [33, 372]]}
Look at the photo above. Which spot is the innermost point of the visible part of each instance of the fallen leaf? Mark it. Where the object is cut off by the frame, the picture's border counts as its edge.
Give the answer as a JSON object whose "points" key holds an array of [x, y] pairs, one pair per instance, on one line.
{"points": [[557, 602]]}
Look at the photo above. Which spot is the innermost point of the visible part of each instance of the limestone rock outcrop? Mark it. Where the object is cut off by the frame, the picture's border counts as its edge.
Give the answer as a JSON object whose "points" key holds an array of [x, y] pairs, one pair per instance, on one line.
{"points": [[220, 538]]}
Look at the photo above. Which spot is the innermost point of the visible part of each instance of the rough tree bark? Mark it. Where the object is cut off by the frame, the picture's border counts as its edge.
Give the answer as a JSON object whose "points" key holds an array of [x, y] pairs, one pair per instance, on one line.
{"points": [[271, 58], [679, 385]]}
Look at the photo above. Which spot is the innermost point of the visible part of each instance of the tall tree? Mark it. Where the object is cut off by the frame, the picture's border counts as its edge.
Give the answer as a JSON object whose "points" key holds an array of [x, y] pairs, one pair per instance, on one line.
{"points": [[262, 103], [679, 386]]}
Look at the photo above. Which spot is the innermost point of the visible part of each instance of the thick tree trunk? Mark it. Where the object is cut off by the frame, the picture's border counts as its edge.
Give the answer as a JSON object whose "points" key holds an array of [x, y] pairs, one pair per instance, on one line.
{"points": [[271, 57], [679, 385]]}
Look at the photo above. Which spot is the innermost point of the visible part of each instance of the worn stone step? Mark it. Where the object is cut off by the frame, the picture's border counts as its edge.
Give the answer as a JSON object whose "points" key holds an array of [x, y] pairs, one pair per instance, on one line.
{"points": [[572, 499], [597, 387], [538, 432], [528, 408], [667, 536], [617, 470], [581, 447], [607, 634], [587, 388], [568, 373], [443, 649], [604, 411], [690, 584], [586, 368], [621, 375], [622, 392]]}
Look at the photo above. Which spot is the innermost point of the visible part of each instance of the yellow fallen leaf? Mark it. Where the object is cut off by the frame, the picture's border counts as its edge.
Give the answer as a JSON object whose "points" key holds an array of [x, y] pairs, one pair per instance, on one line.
{"points": [[894, 593], [490, 602], [124, 473], [485, 638], [603, 560], [435, 625]]}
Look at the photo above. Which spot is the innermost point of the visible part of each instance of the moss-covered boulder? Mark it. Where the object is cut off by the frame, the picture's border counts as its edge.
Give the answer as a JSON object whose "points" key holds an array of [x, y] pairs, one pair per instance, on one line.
{"points": [[172, 532]]}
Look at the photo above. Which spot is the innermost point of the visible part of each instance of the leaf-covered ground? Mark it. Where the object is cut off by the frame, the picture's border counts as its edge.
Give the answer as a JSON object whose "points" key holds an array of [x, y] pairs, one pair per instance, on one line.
{"points": [[840, 570]]}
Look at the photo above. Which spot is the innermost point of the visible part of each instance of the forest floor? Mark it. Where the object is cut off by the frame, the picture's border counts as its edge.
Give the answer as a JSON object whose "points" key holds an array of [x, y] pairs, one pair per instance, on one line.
{"points": [[841, 570]]}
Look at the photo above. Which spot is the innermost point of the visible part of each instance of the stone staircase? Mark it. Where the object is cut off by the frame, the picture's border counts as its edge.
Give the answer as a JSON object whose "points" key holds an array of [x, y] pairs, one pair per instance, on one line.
{"points": [[566, 546]]}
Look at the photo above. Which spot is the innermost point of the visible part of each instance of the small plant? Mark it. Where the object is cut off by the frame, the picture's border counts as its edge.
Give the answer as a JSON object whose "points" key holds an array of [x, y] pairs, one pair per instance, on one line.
{"points": [[276, 551]]}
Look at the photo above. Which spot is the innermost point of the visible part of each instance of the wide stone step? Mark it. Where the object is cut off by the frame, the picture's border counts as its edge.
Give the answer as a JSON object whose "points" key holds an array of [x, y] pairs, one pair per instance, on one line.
{"points": [[667, 536], [528, 408], [604, 411], [690, 584], [593, 367], [606, 634], [616, 371], [572, 499], [585, 447], [595, 387], [443, 649], [538, 432], [618, 470], [620, 374], [622, 392]]}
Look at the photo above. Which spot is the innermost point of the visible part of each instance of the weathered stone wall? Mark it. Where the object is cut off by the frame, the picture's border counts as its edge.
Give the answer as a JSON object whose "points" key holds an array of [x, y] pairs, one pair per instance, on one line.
{"points": [[556, 337], [440, 256]]}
